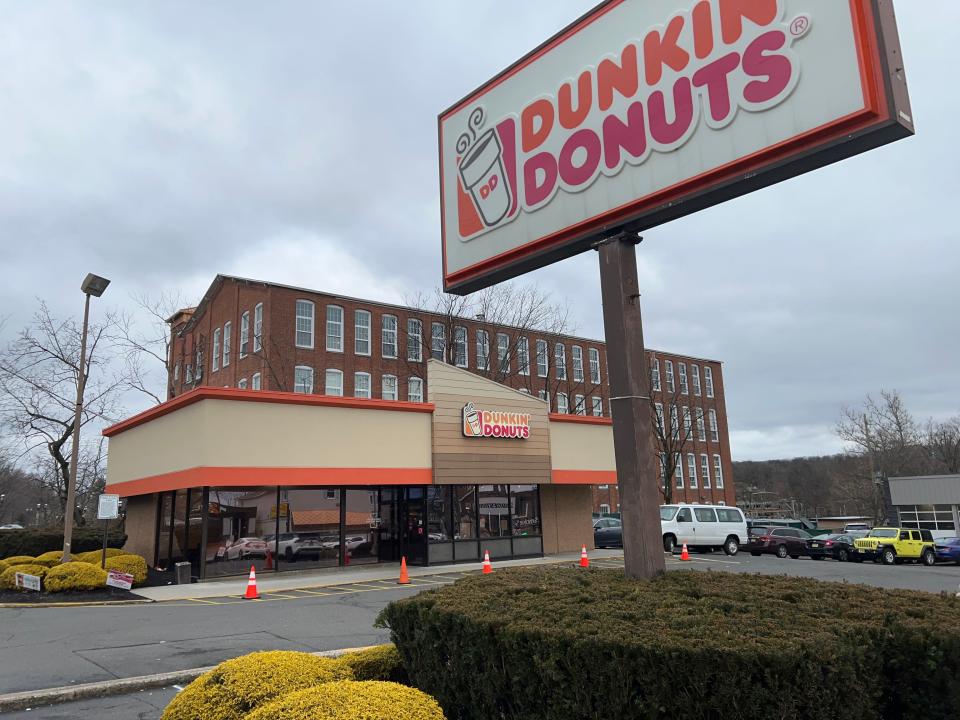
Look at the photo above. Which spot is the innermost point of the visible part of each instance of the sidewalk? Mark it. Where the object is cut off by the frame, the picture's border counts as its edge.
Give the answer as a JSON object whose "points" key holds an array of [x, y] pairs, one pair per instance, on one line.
{"points": [[297, 580]]}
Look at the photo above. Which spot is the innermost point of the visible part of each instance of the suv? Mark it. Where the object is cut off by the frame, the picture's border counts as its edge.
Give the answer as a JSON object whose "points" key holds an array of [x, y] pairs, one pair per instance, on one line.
{"points": [[894, 545]]}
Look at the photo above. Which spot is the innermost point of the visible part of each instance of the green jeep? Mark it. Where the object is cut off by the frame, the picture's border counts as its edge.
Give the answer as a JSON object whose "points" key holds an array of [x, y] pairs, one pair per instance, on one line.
{"points": [[894, 545]]}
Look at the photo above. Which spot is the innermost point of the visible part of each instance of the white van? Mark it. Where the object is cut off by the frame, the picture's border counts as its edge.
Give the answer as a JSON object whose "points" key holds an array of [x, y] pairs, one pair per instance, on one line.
{"points": [[703, 526]]}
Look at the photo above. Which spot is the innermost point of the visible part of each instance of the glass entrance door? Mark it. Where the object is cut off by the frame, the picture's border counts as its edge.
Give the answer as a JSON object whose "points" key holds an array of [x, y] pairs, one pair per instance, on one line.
{"points": [[403, 525]]}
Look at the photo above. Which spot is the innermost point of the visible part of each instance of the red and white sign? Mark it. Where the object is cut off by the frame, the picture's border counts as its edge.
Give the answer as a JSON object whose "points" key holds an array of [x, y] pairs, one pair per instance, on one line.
{"points": [[27, 582], [494, 423], [118, 579], [646, 110]]}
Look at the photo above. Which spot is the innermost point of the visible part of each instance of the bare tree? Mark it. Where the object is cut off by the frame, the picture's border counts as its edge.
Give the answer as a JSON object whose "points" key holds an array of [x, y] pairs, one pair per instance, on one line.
{"points": [[39, 372], [942, 442], [675, 424], [148, 343]]}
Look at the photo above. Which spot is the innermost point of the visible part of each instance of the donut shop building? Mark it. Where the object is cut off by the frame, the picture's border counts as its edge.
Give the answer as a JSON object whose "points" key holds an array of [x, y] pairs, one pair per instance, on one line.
{"points": [[226, 478]]}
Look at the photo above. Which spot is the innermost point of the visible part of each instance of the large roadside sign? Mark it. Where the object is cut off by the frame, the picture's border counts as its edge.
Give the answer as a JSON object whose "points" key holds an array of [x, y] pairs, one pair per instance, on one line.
{"points": [[643, 111]]}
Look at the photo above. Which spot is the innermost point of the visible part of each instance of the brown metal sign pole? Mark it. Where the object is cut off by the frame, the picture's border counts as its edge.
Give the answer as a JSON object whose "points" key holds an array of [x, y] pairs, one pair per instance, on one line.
{"points": [[630, 402]]}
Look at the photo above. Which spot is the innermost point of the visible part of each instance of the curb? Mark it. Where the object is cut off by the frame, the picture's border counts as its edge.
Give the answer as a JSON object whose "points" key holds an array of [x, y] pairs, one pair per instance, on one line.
{"points": [[89, 603], [121, 686]]}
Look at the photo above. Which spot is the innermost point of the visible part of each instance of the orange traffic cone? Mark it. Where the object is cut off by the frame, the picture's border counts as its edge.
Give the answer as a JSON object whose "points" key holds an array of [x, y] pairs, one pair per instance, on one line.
{"points": [[252, 593], [684, 554], [487, 567], [404, 578], [584, 560]]}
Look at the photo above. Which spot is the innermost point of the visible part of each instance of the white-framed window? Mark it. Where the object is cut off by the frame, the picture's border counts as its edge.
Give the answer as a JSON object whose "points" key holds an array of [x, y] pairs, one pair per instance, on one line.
{"points": [[255, 381], [671, 388], [523, 356], [563, 403], [594, 355], [576, 352], [389, 336], [655, 374], [242, 384], [714, 434], [244, 334], [258, 327], [663, 470], [303, 379], [414, 340], [718, 472], [503, 353], [334, 328], [692, 470], [545, 396], [388, 387], [483, 350], [674, 422], [304, 324], [330, 494], [460, 357], [198, 363], [695, 377], [678, 470], [579, 405], [708, 381], [682, 371], [597, 404], [438, 342], [543, 358], [705, 470], [658, 409], [701, 429], [361, 385], [604, 508], [560, 359], [333, 383], [415, 390], [361, 330], [176, 371], [227, 338], [215, 360], [188, 375], [687, 423]]}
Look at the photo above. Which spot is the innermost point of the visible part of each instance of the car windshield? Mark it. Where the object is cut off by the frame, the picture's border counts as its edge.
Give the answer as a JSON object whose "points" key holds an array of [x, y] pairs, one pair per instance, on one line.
{"points": [[668, 512], [883, 533], [839, 536]]}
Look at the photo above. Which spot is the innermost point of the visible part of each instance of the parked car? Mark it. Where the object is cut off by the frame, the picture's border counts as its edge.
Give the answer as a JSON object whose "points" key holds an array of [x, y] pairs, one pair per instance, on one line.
{"points": [[838, 546], [780, 541], [856, 526], [244, 548], [11, 526], [607, 532], [894, 545], [948, 550], [706, 527]]}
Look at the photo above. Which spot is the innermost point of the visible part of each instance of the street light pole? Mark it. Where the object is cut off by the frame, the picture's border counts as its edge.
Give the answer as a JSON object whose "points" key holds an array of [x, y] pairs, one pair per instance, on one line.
{"points": [[92, 285]]}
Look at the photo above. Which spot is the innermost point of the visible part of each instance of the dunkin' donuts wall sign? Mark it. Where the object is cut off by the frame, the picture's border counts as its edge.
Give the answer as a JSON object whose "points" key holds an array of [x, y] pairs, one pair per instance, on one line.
{"points": [[494, 423], [643, 111]]}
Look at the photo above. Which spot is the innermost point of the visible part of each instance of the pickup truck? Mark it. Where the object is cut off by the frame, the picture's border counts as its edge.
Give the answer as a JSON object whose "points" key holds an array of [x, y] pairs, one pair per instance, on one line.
{"points": [[891, 545]]}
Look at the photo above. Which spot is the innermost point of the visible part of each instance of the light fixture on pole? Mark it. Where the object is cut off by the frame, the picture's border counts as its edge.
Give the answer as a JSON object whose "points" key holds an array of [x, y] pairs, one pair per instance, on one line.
{"points": [[92, 285]]}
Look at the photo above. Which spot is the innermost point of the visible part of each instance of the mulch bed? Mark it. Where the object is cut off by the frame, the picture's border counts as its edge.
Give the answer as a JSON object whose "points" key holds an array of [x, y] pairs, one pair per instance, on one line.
{"points": [[108, 594]]}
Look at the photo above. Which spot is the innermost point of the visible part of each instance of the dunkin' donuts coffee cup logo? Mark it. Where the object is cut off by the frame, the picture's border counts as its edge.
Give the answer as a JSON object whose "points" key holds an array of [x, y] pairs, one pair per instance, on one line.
{"points": [[493, 423], [687, 77]]}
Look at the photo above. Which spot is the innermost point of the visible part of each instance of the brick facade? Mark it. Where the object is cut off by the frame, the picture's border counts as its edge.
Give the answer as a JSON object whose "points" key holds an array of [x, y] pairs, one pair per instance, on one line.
{"points": [[229, 297]]}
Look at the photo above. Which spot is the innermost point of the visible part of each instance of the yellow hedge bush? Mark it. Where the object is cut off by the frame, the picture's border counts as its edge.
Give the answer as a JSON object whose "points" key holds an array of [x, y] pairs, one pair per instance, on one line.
{"points": [[20, 560], [133, 564], [351, 700], [382, 662], [236, 687], [93, 556], [8, 581], [3, 565], [75, 576], [50, 558]]}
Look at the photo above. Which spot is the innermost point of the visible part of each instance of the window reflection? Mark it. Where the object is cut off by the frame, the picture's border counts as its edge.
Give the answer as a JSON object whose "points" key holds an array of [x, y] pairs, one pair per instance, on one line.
{"points": [[494, 511]]}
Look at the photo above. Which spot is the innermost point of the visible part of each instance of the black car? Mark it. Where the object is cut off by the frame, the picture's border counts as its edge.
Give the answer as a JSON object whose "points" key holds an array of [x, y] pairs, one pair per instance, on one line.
{"points": [[607, 532], [838, 546]]}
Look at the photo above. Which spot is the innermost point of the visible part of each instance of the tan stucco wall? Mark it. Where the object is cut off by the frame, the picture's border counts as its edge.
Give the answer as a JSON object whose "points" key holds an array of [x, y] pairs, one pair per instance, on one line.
{"points": [[141, 525], [581, 446], [566, 517], [230, 433]]}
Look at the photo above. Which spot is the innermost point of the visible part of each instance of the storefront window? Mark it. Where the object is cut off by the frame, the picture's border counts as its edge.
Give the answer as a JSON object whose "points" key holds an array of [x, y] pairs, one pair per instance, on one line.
{"points": [[241, 530], [178, 549], [361, 538], [163, 534], [464, 512], [310, 528], [525, 510], [438, 513], [494, 509]]}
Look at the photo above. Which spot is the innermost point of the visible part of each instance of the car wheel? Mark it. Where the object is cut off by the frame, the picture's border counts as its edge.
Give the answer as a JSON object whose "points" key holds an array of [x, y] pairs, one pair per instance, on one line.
{"points": [[669, 543], [732, 546], [928, 558], [843, 556], [781, 551], [888, 556]]}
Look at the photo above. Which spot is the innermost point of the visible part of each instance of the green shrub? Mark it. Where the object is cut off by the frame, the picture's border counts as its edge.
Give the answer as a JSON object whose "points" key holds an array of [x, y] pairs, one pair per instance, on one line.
{"points": [[35, 541], [20, 560], [349, 700], [382, 662], [133, 564], [74, 576], [539, 644], [51, 558], [8, 579], [236, 687]]}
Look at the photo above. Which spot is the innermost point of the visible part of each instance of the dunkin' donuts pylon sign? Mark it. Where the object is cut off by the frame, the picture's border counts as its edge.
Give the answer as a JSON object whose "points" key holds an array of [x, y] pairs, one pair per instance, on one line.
{"points": [[494, 423], [646, 110]]}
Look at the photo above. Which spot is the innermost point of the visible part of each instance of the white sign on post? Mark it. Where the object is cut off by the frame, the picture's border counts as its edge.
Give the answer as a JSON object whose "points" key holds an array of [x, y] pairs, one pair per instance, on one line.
{"points": [[27, 582], [118, 579], [108, 508]]}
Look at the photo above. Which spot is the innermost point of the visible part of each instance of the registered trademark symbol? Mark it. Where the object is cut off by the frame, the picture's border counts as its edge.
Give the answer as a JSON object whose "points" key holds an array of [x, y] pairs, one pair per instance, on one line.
{"points": [[799, 26]]}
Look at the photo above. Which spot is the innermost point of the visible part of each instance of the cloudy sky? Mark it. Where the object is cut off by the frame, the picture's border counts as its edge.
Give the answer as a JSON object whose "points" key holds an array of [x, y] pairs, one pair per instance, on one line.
{"points": [[158, 143]]}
